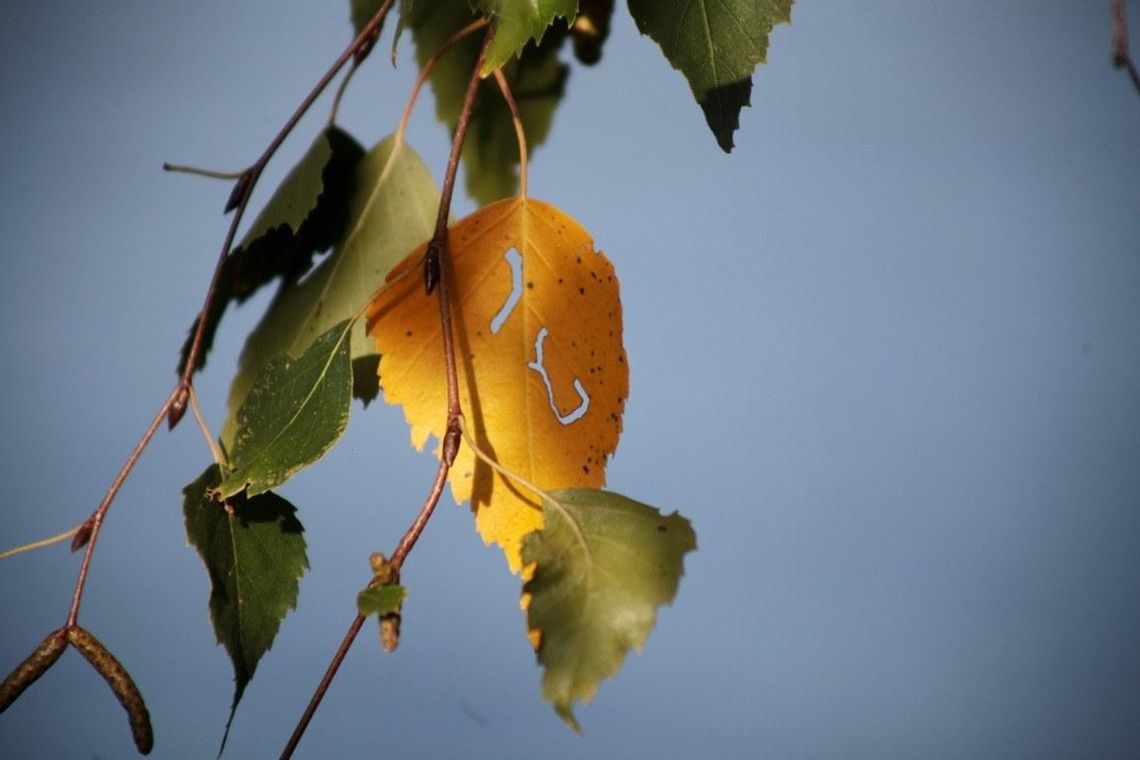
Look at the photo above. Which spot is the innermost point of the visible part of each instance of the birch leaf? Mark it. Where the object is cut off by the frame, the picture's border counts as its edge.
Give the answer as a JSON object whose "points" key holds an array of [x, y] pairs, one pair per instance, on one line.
{"points": [[716, 44], [305, 214], [542, 371], [603, 564], [517, 22], [254, 552], [391, 211], [292, 416]]}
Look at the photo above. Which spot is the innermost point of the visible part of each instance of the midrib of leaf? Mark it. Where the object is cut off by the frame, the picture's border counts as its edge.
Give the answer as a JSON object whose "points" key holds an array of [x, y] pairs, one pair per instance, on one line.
{"points": [[238, 602], [308, 396]]}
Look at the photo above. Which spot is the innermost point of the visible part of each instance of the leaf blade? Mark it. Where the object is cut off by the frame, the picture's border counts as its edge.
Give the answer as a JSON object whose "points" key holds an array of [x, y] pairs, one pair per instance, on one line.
{"points": [[304, 215], [716, 45], [391, 211], [292, 416], [603, 565], [254, 553], [517, 22], [556, 428]]}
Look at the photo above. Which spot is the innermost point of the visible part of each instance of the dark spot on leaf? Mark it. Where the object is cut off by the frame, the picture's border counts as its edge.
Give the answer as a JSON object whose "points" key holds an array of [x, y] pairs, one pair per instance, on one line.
{"points": [[661, 529], [582, 291]]}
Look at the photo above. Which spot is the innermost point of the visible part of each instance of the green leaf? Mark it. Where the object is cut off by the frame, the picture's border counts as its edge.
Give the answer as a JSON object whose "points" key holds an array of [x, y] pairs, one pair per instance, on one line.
{"points": [[306, 214], [517, 22], [537, 79], [292, 416], [392, 211], [254, 552], [716, 44], [603, 565], [380, 600]]}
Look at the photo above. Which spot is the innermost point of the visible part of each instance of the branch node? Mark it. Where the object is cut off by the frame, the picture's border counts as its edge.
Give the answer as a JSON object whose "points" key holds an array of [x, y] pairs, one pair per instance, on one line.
{"points": [[178, 405]]}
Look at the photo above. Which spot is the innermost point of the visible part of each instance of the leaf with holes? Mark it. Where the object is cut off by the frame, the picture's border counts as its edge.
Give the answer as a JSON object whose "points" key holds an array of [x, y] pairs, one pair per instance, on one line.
{"points": [[306, 214], [716, 45], [292, 416], [392, 210], [537, 79], [542, 371], [517, 22], [254, 551], [603, 564]]}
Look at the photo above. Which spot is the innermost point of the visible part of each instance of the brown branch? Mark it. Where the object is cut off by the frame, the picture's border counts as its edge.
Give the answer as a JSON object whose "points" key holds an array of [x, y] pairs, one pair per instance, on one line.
{"points": [[1121, 58], [436, 257], [175, 404], [243, 189]]}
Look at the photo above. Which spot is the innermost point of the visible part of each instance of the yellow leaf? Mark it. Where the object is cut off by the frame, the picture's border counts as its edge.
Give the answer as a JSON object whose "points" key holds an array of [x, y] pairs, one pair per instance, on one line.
{"points": [[542, 370]]}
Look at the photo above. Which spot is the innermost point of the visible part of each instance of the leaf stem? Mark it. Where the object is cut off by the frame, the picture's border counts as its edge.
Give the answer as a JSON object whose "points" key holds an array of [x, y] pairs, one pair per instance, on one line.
{"points": [[519, 132], [42, 543], [209, 173], [428, 67], [215, 452], [436, 248]]}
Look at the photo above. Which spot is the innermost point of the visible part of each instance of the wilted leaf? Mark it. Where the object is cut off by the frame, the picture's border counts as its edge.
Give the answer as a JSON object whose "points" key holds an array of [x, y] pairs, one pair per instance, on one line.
{"points": [[306, 214], [537, 79], [292, 416], [716, 44], [380, 600], [392, 210], [517, 22], [603, 564], [542, 374], [254, 551]]}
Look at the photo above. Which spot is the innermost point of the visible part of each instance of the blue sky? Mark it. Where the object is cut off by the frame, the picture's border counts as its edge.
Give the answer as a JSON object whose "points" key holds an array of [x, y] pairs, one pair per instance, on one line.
{"points": [[884, 356]]}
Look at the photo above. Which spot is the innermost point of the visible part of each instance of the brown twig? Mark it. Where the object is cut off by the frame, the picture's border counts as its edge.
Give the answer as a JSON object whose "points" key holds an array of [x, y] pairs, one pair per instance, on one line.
{"points": [[437, 252], [1121, 58], [243, 189], [175, 404]]}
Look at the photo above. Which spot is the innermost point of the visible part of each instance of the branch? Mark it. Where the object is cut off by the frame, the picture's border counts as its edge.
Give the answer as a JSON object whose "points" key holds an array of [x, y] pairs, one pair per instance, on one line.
{"points": [[243, 189], [1121, 59], [174, 406], [435, 259]]}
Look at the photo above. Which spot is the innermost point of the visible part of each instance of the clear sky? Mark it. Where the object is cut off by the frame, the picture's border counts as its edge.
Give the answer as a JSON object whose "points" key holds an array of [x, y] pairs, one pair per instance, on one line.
{"points": [[885, 356]]}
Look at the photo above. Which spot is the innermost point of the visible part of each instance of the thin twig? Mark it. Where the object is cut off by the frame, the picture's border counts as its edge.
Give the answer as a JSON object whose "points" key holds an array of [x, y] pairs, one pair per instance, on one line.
{"points": [[438, 244], [1121, 58], [209, 173], [96, 519], [42, 543], [244, 189], [175, 405], [520, 133]]}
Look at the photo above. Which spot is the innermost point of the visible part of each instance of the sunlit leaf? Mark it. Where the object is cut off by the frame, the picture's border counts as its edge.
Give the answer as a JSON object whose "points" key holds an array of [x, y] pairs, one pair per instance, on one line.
{"points": [[490, 154], [294, 414], [542, 371], [603, 564], [306, 214], [716, 44], [518, 22], [254, 552], [391, 211]]}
